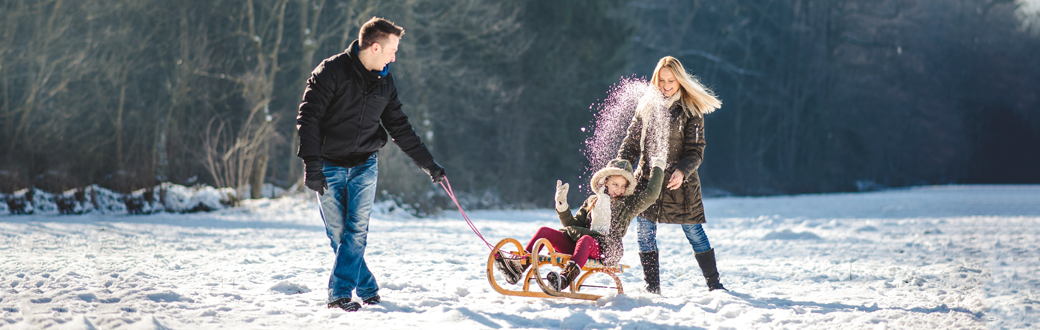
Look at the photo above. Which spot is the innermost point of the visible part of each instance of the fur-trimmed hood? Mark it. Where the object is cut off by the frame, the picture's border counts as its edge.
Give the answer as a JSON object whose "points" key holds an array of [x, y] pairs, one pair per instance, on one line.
{"points": [[615, 167]]}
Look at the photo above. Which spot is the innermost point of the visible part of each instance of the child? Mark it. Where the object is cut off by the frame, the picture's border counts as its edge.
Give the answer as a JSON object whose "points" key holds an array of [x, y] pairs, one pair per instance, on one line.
{"points": [[596, 230]]}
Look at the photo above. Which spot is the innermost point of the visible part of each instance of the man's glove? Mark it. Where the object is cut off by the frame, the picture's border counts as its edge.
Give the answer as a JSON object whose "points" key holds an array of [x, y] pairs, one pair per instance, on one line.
{"points": [[313, 177], [435, 171], [561, 196], [658, 162]]}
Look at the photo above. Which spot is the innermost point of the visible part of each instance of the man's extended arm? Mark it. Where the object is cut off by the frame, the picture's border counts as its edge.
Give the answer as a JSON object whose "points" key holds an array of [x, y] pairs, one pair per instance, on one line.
{"points": [[396, 123]]}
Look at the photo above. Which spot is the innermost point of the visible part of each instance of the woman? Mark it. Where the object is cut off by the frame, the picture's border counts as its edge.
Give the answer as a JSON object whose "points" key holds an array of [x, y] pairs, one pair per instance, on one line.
{"points": [[600, 223], [680, 203]]}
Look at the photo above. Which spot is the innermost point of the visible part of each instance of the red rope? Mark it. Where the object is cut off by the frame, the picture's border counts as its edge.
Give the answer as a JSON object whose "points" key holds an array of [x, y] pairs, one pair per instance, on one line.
{"points": [[447, 188]]}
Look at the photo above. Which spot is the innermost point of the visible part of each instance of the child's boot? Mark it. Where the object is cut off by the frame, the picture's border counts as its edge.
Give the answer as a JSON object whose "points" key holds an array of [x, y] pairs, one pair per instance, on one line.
{"points": [[513, 269], [561, 281]]}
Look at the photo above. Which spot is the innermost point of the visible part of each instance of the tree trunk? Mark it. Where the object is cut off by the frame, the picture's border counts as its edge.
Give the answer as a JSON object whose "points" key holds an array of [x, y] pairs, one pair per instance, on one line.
{"points": [[256, 186]]}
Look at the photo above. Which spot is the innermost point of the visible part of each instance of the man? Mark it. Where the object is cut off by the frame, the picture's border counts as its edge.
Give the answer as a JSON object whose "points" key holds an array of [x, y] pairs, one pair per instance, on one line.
{"points": [[350, 99]]}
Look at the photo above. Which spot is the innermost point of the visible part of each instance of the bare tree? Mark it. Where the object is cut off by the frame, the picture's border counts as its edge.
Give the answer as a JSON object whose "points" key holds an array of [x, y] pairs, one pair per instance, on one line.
{"points": [[258, 85], [231, 158], [52, 59], [192, 59], [10, 16], [243, 159], [118, 60]]}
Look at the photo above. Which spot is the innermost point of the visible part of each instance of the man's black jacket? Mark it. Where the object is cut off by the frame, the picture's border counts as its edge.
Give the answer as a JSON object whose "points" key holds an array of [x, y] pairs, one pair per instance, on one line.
{"points": [[344, 112]]}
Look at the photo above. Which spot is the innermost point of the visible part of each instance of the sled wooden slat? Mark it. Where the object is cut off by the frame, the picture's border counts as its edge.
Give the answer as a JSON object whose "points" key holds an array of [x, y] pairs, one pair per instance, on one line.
{"points": [[550, 257]]}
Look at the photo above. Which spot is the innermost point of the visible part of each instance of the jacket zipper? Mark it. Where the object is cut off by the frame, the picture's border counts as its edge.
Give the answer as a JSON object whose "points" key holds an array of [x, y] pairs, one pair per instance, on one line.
{"points": [[364, 108], [364, 105], [361, 119]]}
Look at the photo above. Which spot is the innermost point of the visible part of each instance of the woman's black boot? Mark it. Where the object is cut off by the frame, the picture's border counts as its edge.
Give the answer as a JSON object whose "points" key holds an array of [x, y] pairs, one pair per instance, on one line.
{"points": [[706, 260], [651, 271]]}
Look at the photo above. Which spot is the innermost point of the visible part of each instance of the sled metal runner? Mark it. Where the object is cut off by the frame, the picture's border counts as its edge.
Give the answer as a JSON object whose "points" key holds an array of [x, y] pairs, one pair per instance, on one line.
{"points": [[547, 258]]}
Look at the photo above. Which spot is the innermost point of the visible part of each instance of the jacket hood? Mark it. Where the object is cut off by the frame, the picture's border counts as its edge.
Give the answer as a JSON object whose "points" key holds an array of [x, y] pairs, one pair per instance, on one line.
{"points": [[615, 167]]}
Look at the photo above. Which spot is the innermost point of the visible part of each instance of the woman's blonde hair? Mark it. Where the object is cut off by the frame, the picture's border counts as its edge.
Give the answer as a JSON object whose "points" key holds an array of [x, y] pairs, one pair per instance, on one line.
{"points": [[697, 99]]}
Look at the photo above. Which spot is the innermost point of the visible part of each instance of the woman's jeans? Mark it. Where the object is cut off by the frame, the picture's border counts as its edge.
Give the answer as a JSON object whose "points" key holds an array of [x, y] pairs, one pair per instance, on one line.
{"points": [[646, 234], [345, 208]]}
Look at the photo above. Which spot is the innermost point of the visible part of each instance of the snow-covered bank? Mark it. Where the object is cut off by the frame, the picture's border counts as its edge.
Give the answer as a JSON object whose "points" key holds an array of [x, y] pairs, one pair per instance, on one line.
{"points": [[931, 257], [93, 199]]}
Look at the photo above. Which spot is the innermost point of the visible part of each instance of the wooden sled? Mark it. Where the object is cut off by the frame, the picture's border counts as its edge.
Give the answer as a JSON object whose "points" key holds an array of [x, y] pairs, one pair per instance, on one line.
{"points": [[547, 258]]}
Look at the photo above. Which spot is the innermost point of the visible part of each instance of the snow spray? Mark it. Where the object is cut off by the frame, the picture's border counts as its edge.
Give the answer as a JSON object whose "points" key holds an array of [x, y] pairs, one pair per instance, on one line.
{"points": [[628, 98]]}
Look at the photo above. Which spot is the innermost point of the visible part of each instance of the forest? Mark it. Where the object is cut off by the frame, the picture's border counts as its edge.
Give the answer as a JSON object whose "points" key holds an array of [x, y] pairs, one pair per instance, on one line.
{"points": [[818, 95]]}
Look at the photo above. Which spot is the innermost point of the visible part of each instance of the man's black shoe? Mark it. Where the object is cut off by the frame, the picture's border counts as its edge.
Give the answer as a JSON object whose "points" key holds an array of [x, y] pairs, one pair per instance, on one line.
{"points": [[372, 300], [346, 305]]}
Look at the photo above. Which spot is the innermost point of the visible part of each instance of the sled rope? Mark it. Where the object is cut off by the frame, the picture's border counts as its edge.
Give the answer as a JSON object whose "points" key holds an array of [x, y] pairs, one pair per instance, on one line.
{"points": [[447, 188]]}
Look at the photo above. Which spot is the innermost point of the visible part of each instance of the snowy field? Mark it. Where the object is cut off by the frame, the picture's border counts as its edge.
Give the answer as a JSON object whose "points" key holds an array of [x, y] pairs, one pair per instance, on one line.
{"points": [[945, 257]]}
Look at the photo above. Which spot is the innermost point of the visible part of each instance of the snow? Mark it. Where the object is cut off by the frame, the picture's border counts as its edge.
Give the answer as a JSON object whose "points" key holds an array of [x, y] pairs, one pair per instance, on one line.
{"points": [[940, 257], [166, 197]]}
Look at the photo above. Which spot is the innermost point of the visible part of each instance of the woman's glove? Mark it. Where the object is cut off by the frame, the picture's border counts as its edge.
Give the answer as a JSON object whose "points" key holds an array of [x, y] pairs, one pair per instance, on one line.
{"points": [[658, 162], [561, 196]]}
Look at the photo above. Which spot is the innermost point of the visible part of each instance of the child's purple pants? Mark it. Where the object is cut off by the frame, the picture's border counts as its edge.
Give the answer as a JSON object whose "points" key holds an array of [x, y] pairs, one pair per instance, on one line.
{"points": [[586, 247]]}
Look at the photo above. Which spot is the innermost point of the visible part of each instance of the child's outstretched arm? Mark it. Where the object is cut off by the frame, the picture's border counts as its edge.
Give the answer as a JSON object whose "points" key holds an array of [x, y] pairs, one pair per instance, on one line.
{"points": [[649, 195]]}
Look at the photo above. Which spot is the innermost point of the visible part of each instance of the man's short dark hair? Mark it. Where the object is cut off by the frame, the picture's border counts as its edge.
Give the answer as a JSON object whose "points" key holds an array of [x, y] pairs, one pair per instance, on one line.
{"points": [[376, 30]]}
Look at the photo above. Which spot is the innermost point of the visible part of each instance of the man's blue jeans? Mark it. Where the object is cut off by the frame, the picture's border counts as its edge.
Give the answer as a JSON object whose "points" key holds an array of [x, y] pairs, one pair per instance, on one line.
{"points": [[345, 208], [646, 233]]}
